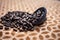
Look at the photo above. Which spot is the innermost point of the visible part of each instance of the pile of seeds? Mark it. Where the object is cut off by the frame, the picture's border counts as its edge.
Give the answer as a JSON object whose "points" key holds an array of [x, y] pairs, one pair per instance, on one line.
{"points": [[24, 20]]}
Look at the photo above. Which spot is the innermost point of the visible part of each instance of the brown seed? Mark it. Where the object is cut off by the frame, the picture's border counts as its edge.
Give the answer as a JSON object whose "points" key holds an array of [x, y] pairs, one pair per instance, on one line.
{"points": [[37, 29], [20, 35], [55, 21], [58, 34], [14, 39], [51, 39], [2, 13], [0, 39], [43, 29], [33, 34], [51, 17], [56, 31], [49, 28], [7, 33], [34, 38], [54, 27], [40, 37], [47, 36], [27, 38], [59, 26], [21, 39], [13, 33], [44, 32], [1, 33], [53, 35], [5, 37], [58, 38]]}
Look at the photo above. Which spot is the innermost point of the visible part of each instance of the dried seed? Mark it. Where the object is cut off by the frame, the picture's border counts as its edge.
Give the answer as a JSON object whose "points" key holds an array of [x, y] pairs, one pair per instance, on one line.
{"points": [[17, 19]]}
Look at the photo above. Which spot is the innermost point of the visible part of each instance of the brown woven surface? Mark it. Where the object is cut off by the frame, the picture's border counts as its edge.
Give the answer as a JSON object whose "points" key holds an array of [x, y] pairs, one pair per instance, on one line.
{"points": [[50, 30]]}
